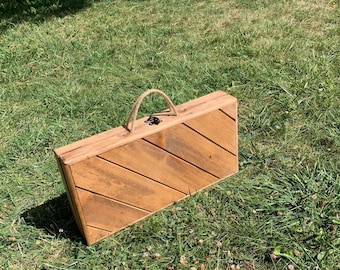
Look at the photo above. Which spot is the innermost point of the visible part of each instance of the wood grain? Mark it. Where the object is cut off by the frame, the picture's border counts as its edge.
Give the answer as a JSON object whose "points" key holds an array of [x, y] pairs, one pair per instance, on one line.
{"points": [[110, 180], [116, 178], [106, 214], [218, 127], [94, 235], [187, 144], [119, 136], [155, 163]]}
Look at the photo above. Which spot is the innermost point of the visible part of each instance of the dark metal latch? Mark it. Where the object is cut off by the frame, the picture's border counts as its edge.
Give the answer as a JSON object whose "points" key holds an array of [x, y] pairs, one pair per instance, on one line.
{"points": [[153, 120]]}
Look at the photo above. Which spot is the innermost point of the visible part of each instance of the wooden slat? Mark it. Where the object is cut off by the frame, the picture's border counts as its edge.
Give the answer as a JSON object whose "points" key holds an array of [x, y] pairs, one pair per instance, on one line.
{"points": [[155, 163], [103, 213], [73, 197], [230, 109], [116, 178], [95, 235], [218, 127], [68, 181], [185, 143], [185, 107], [119, 136], [110, 180]]}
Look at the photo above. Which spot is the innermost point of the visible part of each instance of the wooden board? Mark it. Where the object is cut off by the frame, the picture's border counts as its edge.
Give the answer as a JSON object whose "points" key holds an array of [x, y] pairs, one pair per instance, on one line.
{"points": [[116, 178]]}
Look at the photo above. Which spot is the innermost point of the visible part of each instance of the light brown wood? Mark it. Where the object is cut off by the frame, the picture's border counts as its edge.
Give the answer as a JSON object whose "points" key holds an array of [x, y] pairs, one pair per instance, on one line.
{"points": [[218, 128], [112, 181], [187, 144], [118, 136], [159, 165], [106, 214], [73, 197], [94, 235], [116, 178]]}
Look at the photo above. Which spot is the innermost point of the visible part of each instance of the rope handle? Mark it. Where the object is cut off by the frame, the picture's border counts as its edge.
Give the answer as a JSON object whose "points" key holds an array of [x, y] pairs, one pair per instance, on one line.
{"points": [[134, 111]]}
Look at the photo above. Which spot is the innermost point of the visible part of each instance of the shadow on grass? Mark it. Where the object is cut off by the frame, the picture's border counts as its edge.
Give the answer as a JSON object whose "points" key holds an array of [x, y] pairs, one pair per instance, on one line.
{"points": [[17, 11], [55, 218]]}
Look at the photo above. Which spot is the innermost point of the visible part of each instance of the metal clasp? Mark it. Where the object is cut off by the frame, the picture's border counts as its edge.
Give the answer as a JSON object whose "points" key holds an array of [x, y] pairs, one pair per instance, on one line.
{"points": [[153, 120]]}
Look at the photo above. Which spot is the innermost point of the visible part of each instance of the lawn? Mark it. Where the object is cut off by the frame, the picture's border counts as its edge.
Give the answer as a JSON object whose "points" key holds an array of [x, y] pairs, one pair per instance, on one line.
{"points": [[71, 69]]}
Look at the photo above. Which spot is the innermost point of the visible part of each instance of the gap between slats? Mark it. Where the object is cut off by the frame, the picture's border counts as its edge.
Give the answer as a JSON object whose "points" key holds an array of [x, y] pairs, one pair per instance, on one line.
{"points": [[158, 182], [209, 139], [232, 118], [228, 146], [97, 228], [171, 167], [117, 201], [192, 164]]}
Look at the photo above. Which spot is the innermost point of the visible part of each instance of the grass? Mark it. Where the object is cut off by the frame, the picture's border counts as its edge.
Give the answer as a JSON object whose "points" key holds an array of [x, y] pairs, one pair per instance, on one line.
{"points": [[70, 70]]}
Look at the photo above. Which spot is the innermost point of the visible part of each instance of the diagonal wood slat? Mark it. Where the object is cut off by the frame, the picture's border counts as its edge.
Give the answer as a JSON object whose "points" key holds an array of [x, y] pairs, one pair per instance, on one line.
{"points": [[117, 178]]}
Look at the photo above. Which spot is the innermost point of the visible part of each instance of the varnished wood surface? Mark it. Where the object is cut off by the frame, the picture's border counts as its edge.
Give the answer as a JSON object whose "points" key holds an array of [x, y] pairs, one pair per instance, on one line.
{"points": [[104, 178], [187, 144], [157, 164], [106, 214], [116, 178], [118, 136], [218, 128]]}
